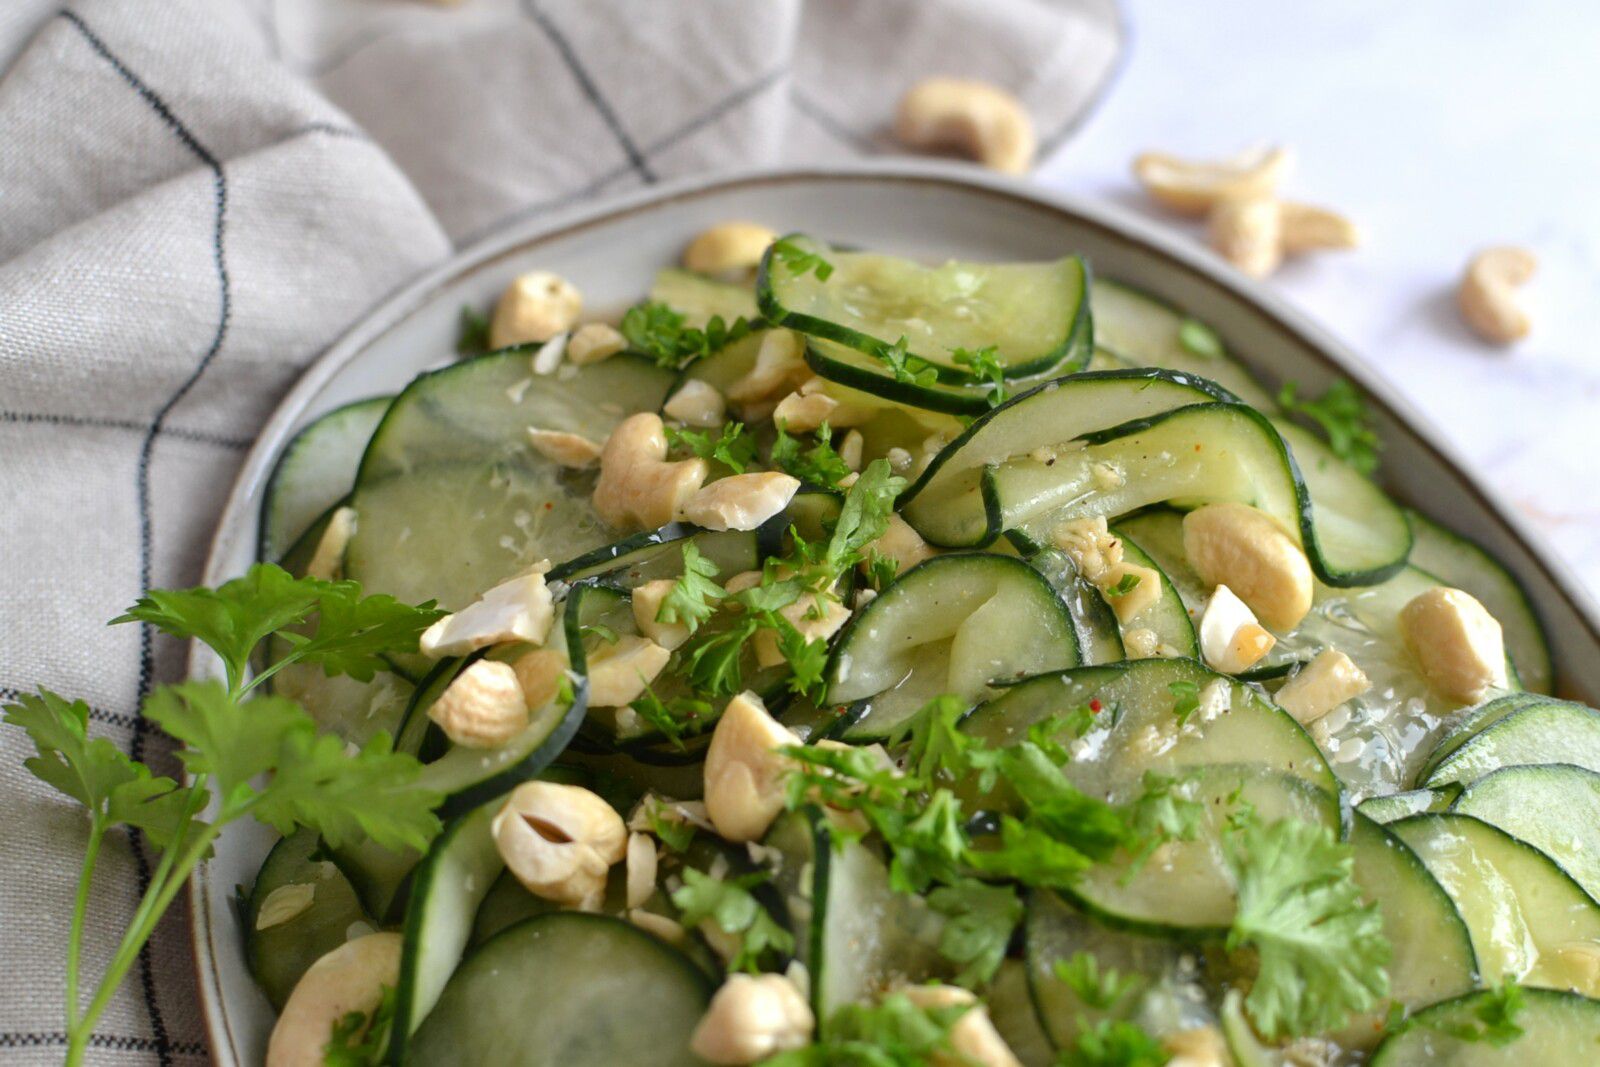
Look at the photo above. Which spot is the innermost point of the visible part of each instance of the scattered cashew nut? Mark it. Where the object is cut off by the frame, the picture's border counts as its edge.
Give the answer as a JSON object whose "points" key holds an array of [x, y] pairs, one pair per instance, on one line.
{"points": [[567, 449], [973, 1038], [620, 671], [1193, 187], [744, 770], [1487, 296], [728, 248], [751, 1018], [593, 342], [982, 121], [1248, 232], [1457, 643], [328, 558], [559, 841], [1230, 637], [901, 543], [1322, 685], [1143, 590], [535, 307], [1093, 549], [647, 601], [1245, 549], [539, 672], [696, 403], [351, 978], [1308, 228], [638, 486], [741, 501], [518, 609], [482, 707]]}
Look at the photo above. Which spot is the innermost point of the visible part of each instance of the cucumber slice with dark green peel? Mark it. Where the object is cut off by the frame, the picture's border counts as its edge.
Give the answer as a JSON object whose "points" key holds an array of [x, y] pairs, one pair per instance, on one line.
{"points": [[1035, 315], [1433, 956], [381, 877], [1386, 809], [507, 903], [1054, 931], [1470, 722], [698, 298], [727, 365], [315, 471], [869, 375], [450, 883], [952, 624], [1462, 563], [1555, 808], [323, 913], [1099, 635], [1015, 1020], [1555, 1029], [1531, 734], [1522, 910], [947, 503], [567, 990], [1147, 332], [645, 557], [1167, 617]]}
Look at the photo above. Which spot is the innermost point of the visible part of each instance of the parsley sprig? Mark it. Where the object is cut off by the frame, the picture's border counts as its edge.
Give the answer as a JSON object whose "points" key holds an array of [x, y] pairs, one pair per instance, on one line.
{"points": [[262, 757], [891, 1033], [820, 464], [984, 365], [1345, 420], [801, 261], [729, 904], [653, 329], [733, 446]]}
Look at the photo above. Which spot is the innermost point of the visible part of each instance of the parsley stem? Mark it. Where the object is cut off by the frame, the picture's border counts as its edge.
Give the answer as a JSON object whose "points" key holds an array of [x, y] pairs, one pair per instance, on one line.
{"points": [[80, 908]]}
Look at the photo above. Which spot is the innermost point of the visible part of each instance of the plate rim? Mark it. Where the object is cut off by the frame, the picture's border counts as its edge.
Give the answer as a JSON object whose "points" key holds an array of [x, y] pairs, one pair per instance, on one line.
{"points": [[1113, 220]]}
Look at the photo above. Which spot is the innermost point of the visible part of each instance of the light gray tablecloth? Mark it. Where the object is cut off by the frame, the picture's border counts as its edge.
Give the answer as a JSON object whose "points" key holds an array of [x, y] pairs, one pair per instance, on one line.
{"points": [[197, 196]]}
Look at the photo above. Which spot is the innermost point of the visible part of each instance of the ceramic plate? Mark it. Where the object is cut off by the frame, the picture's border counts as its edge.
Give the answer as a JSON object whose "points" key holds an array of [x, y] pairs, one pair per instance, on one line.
{"points": [[919, 209]]}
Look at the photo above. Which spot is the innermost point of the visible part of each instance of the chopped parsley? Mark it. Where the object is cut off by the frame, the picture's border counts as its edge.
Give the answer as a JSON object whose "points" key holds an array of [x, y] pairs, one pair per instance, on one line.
{"points": [[1125, 585], [1344, 418], [1185, 700], [653, 329], [670, 716], [1494, 1017], [730, 905], [913, 370], [984, 365], [820, 464], [1100, 990], [891, 1033], [733, 446], [1200, 339], [1113, 1043], [472, 333], [799, 261], [694, 596]]}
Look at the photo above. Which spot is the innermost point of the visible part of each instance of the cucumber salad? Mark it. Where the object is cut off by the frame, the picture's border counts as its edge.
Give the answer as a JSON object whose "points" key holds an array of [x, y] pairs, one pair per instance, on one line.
{"points": [[871, 662]]}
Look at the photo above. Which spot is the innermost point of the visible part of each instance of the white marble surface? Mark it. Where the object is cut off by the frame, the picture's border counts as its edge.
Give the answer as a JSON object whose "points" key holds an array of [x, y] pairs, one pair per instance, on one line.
{"points": [[1441, 125]]}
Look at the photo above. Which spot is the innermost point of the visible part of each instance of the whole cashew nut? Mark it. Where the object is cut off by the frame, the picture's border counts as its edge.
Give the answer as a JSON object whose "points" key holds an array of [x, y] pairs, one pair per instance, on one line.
{"points": [[482, 707], [559, 841], [982, 121], [1307, 228], [1193, 187], [729, 248], [1248, 232], [535, 307], [1487, 296], [351, 978], [638, 487]]}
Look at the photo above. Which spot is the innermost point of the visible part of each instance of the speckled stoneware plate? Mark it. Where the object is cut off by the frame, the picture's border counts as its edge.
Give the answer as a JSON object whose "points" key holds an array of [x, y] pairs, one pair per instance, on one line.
{"points": [[921, 209]]}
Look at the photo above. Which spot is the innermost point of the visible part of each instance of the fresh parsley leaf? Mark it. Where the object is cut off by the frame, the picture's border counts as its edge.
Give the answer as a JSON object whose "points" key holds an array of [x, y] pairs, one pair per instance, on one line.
{"points": [[95, 773], [1125, 585], [1185, 700], [361, 1039], [1030, 854], [806, 657], [818, 465], [984, 364], [655, 330], [881, 571], [1200, 339], [1113, 1043], [926, 847], [673, 831], [865, 514], [353, 633], [894, 1032], [693, 598], [1322, 949], [938, 748], [730, 905], [600, 630], [1088, 824], [1344, 418], [1494, 1017], [472, 335], [733, 446], [913, 370], [799, 261], [1161, 814], [712, 659], [1094, 988], [979, 921], [670, 716]]}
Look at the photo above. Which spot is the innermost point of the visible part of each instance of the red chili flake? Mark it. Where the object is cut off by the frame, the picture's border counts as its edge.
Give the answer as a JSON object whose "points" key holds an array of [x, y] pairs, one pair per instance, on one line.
{"points": [[1094, 706], [1197, 448], [549, 505], [840, 710]]}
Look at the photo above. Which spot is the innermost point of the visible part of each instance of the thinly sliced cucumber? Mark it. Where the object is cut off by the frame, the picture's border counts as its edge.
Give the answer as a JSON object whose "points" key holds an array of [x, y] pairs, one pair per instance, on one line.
{"points": [[280, 952], [727, 365], [1099, 635], [1555, 808], [868, 375], [1146, 332], [567, 990], [1433, 956], [315, 471], [450, 883], [645, 557], [1167, 617], [353, 709], [1386, 809], [1035, 315], [1137, 729], [1015, 1020], [1521, 908], [947, 504], [1538, 732], [697, 298], [1470, 722], [1556, 1029], [952, 624], [380, 876]]}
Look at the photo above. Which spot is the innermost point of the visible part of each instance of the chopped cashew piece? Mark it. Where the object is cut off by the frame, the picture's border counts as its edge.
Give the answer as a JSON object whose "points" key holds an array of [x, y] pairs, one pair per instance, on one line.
{"points": [[641, 869], [593, 342], [639, 487], [696, 403], [1094, 550], [973, 1038], [328, 560], [1322, 685], [1456, 642], [647, 599], [1141, 643], [1243, 548], [1487, 297], [981, 121], [559, 841], [780, 364], [1248, 232], [1195, 187], [1308, 228], [751, 1018], [517, 609], [285, 903], [1143, 590], [1578, 965], [902, 544], [742, 581], [539, 672], [620, 671], [741, 501], [534, 307], [668, 930], [728, 248], [1230, 637], [744, 770], [798, 413], [568, 449], [1200, 1046], [482, 707], [850, 449], [351, 978], [815, 621]]}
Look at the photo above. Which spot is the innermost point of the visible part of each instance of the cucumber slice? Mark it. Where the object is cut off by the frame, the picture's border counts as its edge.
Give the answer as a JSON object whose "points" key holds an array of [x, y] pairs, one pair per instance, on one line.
{"points": [[507, 903], [1557, 1029], [1520, 908], [645, 557], [1099, 635], [1147, 332], [1036, 315], [1529, 734], [1015, 1020], [567, 990], [947, 504], [1555, 808], [697, 298], [1387, 809], [1168, 617], [1472, 721], [342, 705], [315, 472], [952, 624], [867, 375], [1464, 564], [450, 883], [279, 954]]}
